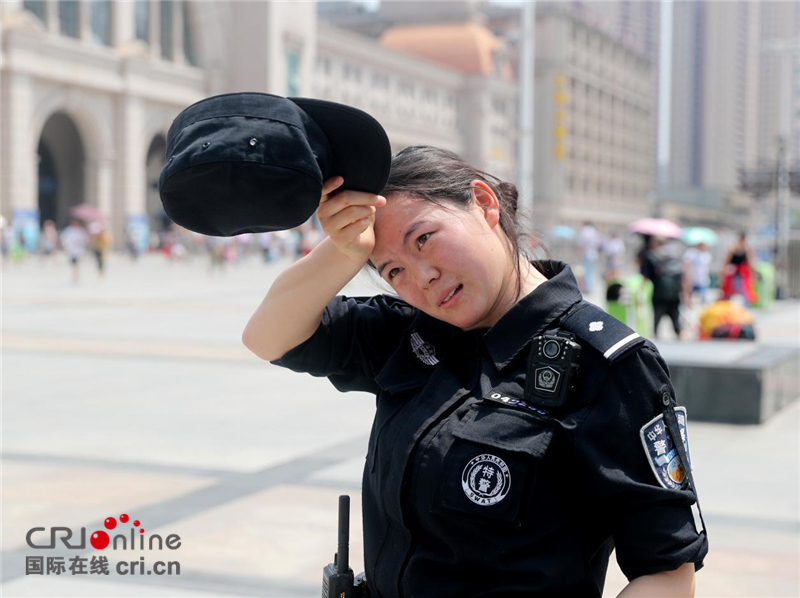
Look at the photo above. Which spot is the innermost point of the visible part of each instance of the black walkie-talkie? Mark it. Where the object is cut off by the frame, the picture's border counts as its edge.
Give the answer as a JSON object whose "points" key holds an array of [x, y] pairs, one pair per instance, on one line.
{"points": [[337, 577]]}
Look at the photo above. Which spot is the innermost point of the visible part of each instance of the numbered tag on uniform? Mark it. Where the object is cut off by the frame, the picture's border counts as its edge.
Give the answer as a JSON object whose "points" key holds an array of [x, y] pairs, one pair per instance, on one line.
{"points": [[661, 452]]}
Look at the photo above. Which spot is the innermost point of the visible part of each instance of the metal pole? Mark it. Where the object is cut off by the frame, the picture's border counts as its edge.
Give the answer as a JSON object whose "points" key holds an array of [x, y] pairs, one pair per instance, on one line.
{"points": [[783, 220], [527, 47], [784, 130], [785, 49]]}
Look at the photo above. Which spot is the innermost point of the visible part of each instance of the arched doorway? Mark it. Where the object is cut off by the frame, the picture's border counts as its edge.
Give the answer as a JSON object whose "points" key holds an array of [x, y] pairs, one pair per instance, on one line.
{"points": [[62, 163], [48, 185], [158, 219]]}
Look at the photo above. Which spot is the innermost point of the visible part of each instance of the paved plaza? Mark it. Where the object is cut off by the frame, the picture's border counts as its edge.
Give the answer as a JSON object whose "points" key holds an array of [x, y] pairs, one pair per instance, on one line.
{"points": [[133, 394]]}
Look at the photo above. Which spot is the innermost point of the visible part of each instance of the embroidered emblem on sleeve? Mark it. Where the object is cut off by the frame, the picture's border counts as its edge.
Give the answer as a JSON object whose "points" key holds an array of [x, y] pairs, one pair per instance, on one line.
{"points": [[424, 351], [661, 453], [486, 480]]}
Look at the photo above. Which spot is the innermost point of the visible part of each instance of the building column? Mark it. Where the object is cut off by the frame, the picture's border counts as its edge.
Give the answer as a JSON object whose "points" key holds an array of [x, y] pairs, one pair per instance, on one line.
{"points": [[129, 196], [53, 22], [103, 181], [22, 163], [177, 32], [122, 23], [9, 7], [475, 110], [3, 102], [155, 30], [84, 23]]}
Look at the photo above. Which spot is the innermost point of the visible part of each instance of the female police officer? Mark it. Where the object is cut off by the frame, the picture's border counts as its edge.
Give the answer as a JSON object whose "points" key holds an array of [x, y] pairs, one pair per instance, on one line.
{"points": [[477, 482]]}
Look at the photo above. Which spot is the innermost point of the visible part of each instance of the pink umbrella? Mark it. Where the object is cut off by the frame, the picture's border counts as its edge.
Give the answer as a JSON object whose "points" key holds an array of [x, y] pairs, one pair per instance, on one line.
{"points": [[657, 227], [85, 211]]}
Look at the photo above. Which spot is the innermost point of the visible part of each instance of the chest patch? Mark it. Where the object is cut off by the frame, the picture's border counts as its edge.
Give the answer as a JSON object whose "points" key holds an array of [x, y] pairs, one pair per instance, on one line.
{"points": [[486, 480], [661, 452], [424, 351]]}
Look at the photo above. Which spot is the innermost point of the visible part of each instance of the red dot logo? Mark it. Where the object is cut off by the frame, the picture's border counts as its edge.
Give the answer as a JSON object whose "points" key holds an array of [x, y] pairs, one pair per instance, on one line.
{"points": [[110, 523], [99, 540], [141, 531], [136, 523]]}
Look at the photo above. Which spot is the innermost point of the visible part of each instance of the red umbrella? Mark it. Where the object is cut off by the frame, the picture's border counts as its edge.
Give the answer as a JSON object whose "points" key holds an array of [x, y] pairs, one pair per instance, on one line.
{"points": [[85, 211], [657, 227]]}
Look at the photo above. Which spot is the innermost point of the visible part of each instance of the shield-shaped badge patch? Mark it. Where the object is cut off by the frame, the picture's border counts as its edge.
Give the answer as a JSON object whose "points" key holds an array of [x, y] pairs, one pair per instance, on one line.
{"points": [[661, 452]]}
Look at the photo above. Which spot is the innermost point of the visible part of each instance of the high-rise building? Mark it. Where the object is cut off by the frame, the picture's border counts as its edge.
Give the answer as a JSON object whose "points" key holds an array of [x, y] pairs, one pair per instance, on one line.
{"points": [[595, 123], [780, 41], [595, 104], [634, 24], [715, 93]]}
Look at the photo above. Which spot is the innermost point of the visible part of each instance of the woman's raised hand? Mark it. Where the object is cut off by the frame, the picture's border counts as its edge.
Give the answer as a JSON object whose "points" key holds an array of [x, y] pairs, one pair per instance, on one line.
{"points": [[348, 218]]}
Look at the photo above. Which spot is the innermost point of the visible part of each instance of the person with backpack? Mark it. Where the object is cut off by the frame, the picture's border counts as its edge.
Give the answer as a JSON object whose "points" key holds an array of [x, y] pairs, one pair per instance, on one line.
{"points": [[667, 275]]}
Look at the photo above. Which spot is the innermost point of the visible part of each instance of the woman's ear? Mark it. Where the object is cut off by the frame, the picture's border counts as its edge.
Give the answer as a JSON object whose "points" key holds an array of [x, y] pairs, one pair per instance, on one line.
{"points": [[487, 201]]}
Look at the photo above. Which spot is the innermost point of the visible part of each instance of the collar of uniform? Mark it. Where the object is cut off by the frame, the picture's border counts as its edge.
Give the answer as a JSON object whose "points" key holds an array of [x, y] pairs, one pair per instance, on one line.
{"points": [[533, 313]]}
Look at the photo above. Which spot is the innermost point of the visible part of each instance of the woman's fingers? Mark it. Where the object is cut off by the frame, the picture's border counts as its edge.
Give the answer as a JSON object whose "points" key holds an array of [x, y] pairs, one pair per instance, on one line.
{"points": [[348, 215], [332, 205], [330, 185]]}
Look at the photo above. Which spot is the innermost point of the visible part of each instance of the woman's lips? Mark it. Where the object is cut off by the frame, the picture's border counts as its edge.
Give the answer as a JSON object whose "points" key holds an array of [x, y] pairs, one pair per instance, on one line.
{"points": [[453, 298]]}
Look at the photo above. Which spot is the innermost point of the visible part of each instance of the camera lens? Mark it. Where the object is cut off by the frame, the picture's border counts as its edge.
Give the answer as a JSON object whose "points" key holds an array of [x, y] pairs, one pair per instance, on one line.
{"points": [[551, 349]]}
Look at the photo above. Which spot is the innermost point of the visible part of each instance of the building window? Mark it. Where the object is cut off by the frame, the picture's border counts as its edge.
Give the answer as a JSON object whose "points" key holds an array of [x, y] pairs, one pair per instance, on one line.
{"points": [[68, 18], [405, 88], [165, 9], [498, 62], [380, 80], [292, 73], [352, 72], [188, 36], [100, 20], [37, 7], [141, 16], [324, 64]]}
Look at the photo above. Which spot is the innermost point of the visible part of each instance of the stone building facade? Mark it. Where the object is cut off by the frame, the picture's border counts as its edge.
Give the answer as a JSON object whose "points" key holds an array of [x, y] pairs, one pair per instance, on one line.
{"points": [[88, 91]]}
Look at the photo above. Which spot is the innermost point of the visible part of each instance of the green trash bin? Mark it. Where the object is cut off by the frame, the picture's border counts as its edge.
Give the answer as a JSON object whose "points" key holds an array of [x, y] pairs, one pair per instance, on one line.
{"points": [[630, 301], [765, 284]]}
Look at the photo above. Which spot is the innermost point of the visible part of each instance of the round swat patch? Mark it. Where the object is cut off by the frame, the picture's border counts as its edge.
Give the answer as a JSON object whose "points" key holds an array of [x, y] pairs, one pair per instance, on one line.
{"points": [[486, 480]]}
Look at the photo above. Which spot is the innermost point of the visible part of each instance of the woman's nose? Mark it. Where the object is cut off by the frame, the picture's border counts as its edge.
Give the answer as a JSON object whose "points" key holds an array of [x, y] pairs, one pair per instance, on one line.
{"points": [[425, 275]]}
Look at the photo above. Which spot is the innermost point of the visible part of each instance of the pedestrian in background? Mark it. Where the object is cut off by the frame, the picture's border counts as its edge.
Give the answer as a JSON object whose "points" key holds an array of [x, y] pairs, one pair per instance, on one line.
{"points": [[737, 274], [48, 240], [698, 262], [100, 240], [589, 241], [267, 243], [75, 241], [614, 251], [666, 272]]}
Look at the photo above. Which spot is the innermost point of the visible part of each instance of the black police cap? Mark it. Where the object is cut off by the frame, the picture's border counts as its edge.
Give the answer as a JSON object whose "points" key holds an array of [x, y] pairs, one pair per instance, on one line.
{"points": [[255, 162]]}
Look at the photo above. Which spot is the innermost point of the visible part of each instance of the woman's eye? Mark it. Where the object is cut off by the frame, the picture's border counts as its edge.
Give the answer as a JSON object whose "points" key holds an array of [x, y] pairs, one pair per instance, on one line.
{"points": [[422, 238], [393, 272]]}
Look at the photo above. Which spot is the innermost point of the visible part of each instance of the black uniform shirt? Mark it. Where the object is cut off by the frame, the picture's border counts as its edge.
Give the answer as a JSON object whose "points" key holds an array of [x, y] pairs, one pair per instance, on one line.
{"points": [[467, 495]]}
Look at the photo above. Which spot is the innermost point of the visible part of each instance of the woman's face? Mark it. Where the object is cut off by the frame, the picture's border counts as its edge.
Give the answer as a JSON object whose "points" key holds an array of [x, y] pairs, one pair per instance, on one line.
{"points": [[450, 263]]}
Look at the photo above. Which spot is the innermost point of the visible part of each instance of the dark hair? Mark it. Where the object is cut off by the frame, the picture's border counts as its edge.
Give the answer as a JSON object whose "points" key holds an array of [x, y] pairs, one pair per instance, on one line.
{"points": [[443, 178]]}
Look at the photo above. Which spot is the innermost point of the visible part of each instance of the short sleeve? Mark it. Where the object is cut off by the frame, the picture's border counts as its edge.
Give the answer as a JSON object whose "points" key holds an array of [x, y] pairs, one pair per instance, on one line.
{"points": [[653, 526], [353, 341]]}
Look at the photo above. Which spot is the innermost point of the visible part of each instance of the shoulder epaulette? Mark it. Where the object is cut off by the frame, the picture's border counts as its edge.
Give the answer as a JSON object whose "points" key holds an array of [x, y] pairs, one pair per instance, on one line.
{"points": [[601, 331]]}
